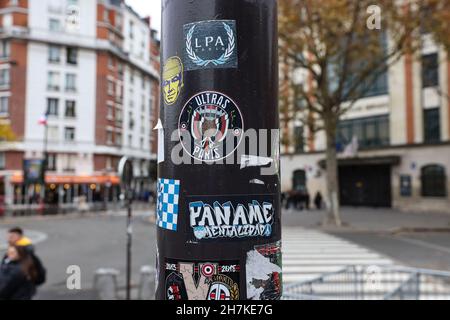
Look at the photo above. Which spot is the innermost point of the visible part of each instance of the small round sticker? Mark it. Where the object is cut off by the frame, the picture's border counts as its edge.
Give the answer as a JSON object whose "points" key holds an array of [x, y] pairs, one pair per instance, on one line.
{"points": [[214, 124]]}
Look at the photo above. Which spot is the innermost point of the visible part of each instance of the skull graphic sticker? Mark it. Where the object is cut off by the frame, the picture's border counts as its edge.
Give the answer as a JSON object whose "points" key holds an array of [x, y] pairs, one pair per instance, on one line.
{"points": [[210, 126]]}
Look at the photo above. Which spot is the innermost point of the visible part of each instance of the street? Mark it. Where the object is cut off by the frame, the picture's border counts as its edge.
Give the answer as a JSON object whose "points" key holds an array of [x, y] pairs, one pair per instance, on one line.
{"points": [[99, 241]]}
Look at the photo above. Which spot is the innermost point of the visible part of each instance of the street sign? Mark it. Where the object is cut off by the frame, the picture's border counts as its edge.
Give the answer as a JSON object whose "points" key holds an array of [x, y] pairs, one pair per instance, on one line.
{"points": [[126, 174]]}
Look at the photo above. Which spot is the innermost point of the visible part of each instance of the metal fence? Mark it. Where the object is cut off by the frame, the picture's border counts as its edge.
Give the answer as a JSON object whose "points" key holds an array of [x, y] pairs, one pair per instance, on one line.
{"points": [[373, 283]]}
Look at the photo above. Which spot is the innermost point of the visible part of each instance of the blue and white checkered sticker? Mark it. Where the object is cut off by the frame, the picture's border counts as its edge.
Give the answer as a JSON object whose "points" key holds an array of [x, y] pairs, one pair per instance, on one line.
{"points": [[167, 204]]}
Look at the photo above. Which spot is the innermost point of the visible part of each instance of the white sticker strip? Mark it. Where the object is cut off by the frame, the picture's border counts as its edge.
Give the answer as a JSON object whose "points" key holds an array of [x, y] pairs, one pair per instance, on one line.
{"points": [[254, 161]]}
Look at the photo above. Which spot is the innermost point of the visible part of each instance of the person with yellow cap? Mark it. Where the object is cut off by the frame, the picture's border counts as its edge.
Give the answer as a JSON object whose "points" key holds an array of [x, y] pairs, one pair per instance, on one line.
{"points": [[16, 238]]}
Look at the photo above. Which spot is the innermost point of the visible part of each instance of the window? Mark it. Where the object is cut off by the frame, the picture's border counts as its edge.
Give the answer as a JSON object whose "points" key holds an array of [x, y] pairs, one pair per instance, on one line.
{"points": [[71, 82], [110, 63], [106, 15], [110, 87], [2, 160], [69, 134], [118, 139], [131, 30], [4, 77], [54, 54], [53, 133], [430, 70], [4, 49], [371, 132], [53, 81], [431, 125], [109, 137], [299, 180], [130, 140], [51, 162], [72, 55], [142, 143], [119, 117], [52, 107], [110, 111], [299, 140], [4, 105], [70, 109], [54, 25], [434, 181]]}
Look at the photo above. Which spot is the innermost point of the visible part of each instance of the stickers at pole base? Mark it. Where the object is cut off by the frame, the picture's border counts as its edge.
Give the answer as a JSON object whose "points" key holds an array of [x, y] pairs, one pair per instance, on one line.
{"points": [[186, 280], [231, 217], [210, 44], [172, 80], [263, 272], [167, 203], [213, 125]]}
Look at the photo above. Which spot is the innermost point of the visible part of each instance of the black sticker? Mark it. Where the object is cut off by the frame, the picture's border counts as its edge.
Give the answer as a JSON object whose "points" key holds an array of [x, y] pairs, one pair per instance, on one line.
{"points": [[210, 126], [188, 280], [210, 44], [230, 217]]}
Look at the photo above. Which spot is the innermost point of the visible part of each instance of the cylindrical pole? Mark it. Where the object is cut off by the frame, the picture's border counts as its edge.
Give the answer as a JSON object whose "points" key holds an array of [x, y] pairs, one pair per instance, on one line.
{"points": [[129, 242], [218, 208]]}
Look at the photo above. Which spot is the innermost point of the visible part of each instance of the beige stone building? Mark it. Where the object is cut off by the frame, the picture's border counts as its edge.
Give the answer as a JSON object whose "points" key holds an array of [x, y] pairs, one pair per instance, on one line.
{"points": [[401, 141]]}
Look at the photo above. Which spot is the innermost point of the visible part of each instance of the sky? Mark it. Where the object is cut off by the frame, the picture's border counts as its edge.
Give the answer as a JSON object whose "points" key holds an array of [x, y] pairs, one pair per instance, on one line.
{"points": [[150, 8]]}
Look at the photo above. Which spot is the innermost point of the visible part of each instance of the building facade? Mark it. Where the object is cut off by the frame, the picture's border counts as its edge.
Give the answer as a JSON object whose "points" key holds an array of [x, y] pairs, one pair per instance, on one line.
{"points": [[394, 145], [90, 66]]}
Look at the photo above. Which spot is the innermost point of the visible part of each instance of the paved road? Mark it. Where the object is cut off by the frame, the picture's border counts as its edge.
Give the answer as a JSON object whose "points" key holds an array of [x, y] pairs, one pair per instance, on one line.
{"points": [[91, 243], [421, 250], [309, 253]]}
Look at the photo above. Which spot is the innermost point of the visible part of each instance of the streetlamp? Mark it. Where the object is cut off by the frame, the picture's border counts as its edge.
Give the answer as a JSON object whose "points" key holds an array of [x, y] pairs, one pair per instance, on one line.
{"points": [[126, 175]]}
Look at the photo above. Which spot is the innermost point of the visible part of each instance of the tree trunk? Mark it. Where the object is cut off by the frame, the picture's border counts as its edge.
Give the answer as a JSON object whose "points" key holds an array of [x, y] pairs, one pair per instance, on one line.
{"points": [[332, 174]]}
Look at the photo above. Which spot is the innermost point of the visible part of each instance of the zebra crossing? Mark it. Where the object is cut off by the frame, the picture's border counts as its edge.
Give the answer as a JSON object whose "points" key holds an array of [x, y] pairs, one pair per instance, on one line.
{"points": [[308, 254]]}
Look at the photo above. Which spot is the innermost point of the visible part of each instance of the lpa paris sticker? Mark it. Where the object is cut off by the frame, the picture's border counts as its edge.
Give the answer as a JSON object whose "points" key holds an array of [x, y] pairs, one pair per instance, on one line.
{"points": [[202, 280], [210, 126], [210, 44], [234, 217]]}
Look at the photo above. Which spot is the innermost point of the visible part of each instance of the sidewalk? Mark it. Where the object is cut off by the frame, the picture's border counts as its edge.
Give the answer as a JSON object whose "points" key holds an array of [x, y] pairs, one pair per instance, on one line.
{"points": [[381, 220]]}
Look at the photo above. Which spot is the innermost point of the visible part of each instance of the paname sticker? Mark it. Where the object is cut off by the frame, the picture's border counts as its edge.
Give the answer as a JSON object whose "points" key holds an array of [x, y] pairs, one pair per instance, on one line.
{"points": [[172, 80], [210, 126], [167, 203], [264, 276], [231, 217], [202, 280], [210, 44]]}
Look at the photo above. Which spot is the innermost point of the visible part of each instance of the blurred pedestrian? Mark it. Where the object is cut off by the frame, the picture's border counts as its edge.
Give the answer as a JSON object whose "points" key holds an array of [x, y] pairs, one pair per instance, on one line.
{"points": [[318, 200], [18, 275], [17, 238]]}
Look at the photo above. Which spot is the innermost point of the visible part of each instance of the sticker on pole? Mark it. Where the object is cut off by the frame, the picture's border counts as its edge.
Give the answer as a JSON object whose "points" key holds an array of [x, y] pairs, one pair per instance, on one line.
{"points": [[210, 126], [187, 280], [210, 44], [167, 204], [231, 217], [264, 280]]}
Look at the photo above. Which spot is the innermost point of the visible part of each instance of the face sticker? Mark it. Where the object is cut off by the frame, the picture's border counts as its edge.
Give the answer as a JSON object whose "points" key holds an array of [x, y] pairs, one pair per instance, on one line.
{"points": [[264, 280], [231, 217], [210, 126], [187, 280], [167, 203], [172, 80]]}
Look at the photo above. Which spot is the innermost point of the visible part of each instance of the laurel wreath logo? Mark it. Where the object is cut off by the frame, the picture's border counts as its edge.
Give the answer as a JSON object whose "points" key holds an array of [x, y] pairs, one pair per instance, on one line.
{"points": [[221, 60]]}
